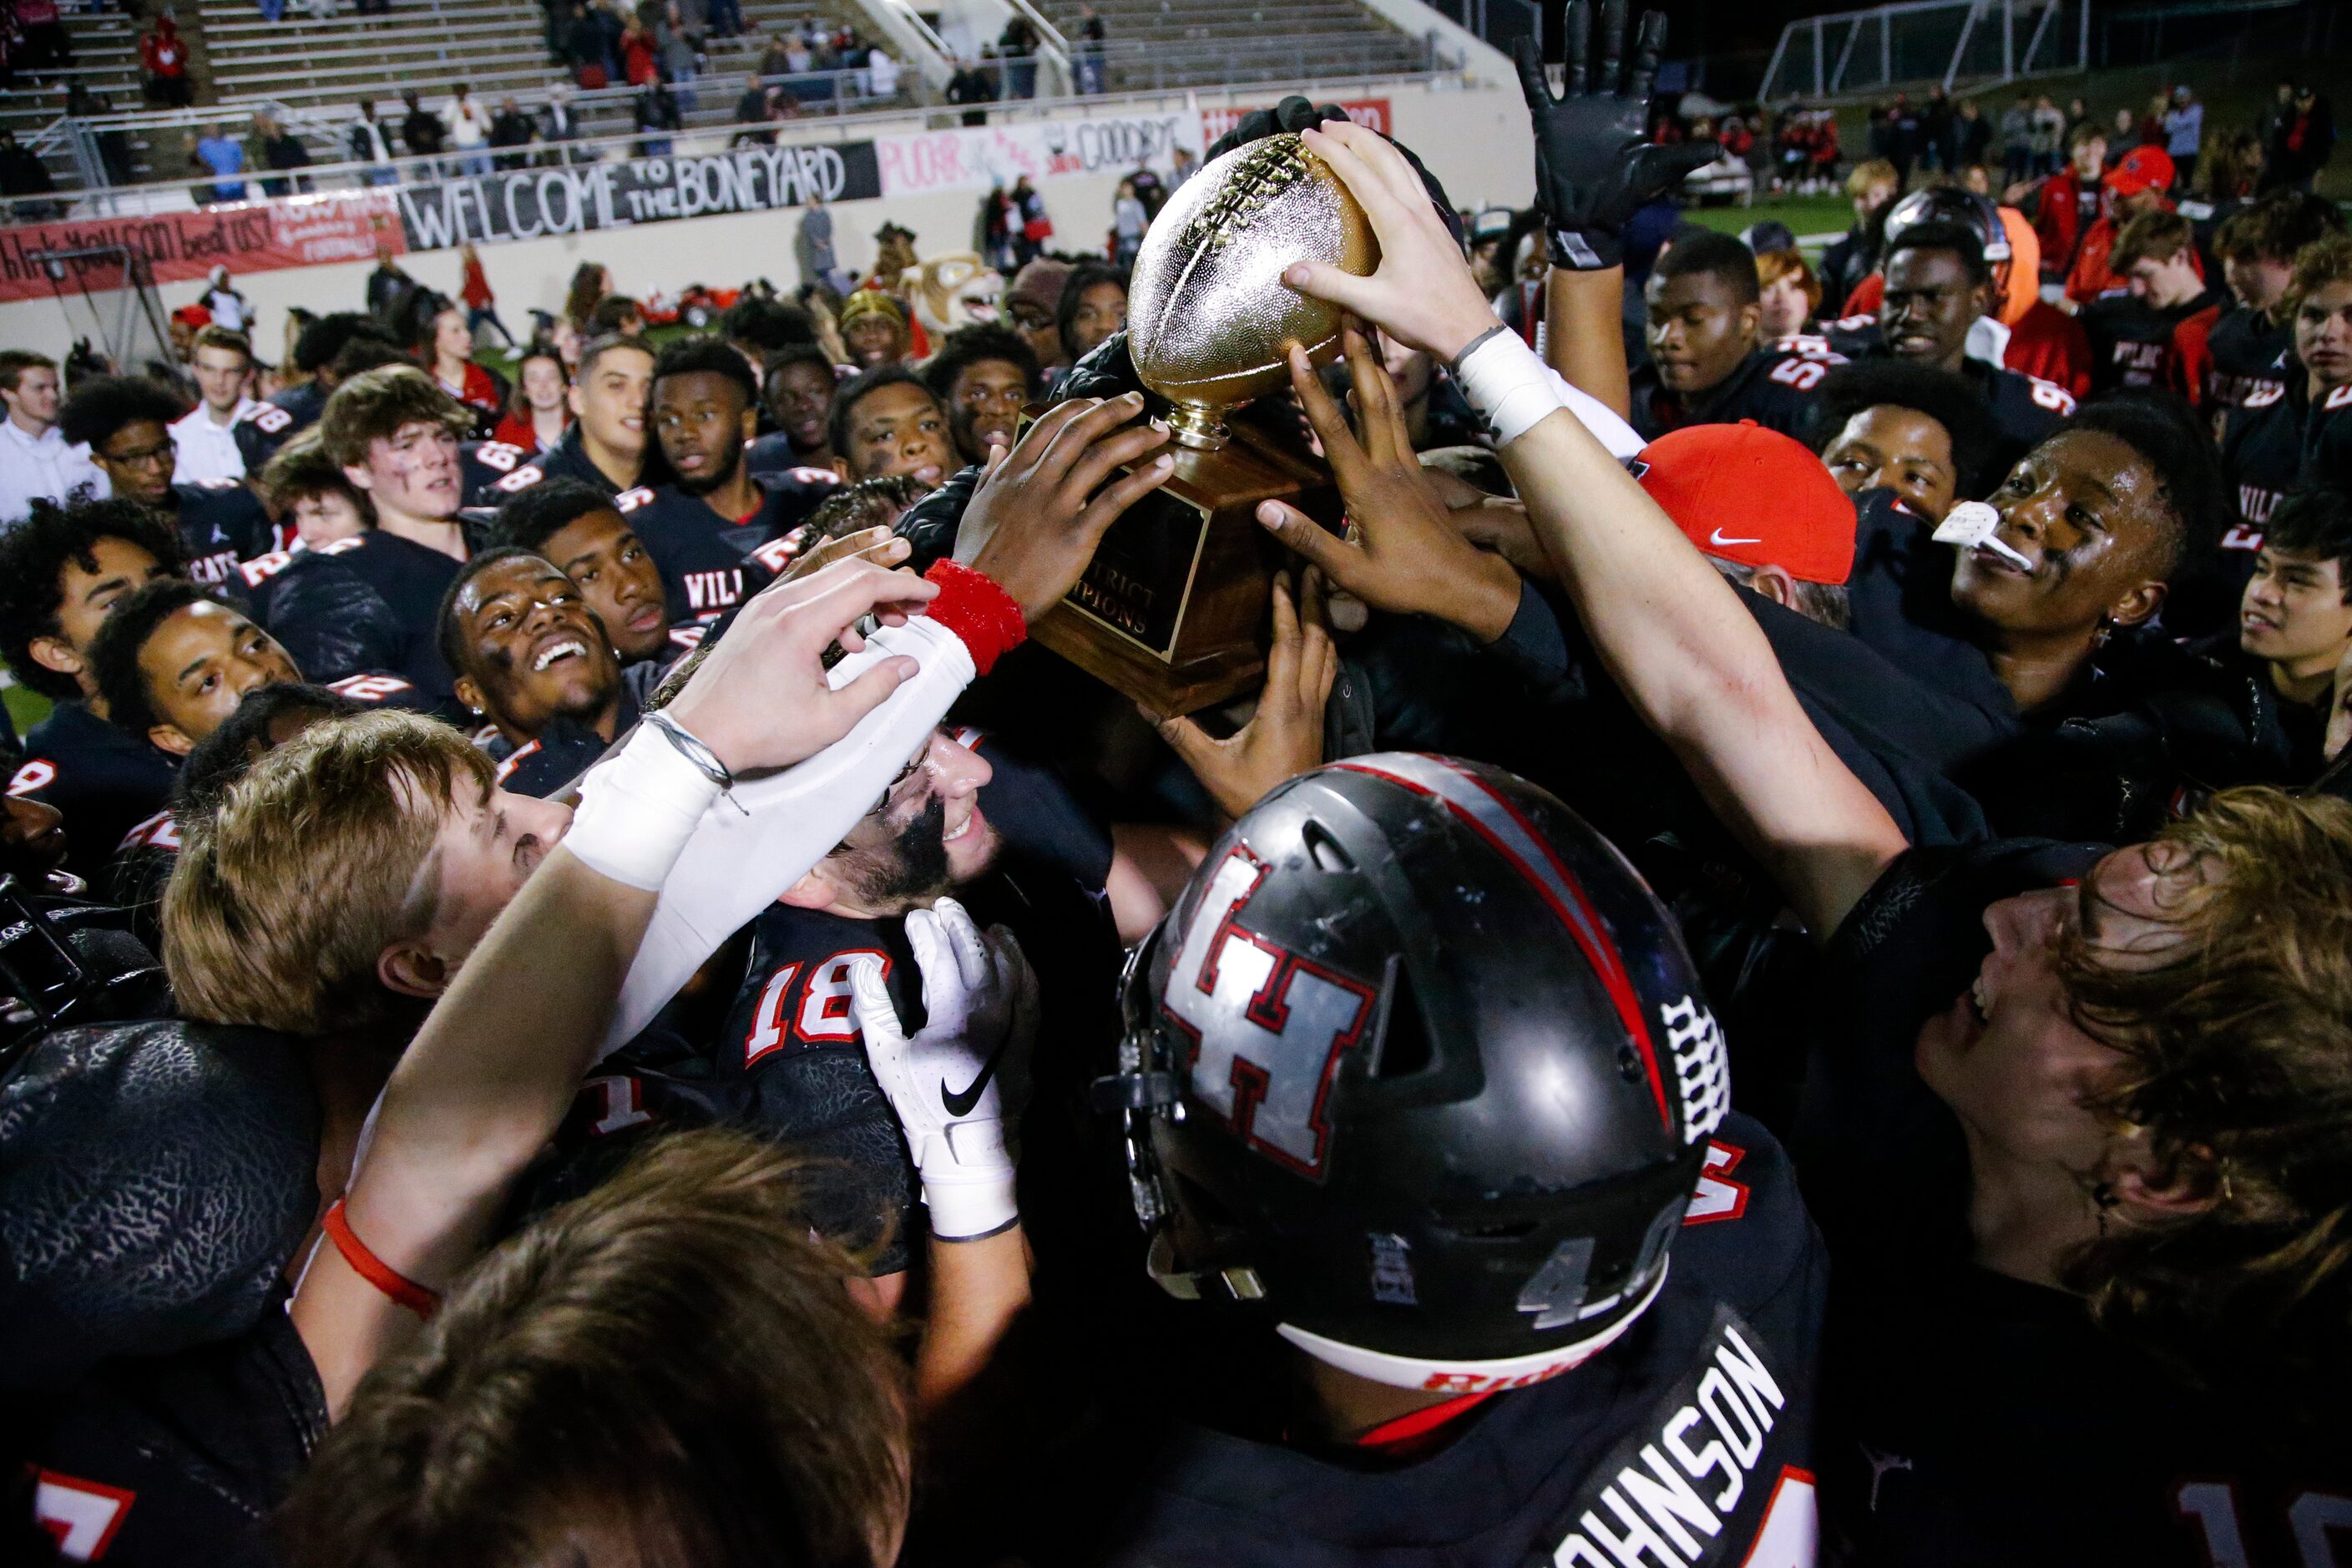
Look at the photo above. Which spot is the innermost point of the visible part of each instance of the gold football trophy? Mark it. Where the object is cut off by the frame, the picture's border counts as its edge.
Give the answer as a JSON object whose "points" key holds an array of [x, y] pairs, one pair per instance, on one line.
{"points": [[1172, 610]]}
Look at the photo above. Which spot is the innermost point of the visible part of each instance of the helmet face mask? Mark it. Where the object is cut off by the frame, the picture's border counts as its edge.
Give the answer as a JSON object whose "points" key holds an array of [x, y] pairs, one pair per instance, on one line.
{"points": [[1418, 1067]]}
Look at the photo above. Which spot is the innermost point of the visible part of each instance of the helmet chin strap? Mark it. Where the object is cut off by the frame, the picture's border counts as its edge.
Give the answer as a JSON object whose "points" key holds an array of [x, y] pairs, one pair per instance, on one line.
{"points": [[1239, 1282], [1466, 1376]]}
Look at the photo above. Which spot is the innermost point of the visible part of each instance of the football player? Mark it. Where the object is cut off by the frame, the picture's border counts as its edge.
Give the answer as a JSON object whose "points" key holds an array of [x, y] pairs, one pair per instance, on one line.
{"points": [[127, 421], [2258, 245], [320, 359], [531, 657], [2158, 331], [371, 602], [985, 373], [313, 501], [576, 526], [1706, 365], [1917, 431], [2294, 623], [606, 445], [801, 383], [886, 420], [60, 571], [2299, 431], [703, 524]]}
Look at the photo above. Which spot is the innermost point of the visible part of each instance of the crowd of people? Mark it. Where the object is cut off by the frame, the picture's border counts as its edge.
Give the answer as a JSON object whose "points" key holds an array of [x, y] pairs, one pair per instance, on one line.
{"points": [[1765, 979]]}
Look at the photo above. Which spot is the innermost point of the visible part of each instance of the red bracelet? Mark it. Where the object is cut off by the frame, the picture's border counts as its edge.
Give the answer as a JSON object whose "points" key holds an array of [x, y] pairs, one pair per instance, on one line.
{"points": [[976, 609], [375, 1269]]}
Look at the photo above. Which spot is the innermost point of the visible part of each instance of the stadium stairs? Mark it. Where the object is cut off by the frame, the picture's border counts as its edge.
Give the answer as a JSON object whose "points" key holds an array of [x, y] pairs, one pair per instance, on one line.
{"points": [[1197, 43]]}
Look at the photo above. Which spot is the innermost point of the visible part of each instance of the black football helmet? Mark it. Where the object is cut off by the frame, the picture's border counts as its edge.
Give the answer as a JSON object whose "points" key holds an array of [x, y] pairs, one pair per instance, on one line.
{"points": [[1420, 1066], [1953, 204]]}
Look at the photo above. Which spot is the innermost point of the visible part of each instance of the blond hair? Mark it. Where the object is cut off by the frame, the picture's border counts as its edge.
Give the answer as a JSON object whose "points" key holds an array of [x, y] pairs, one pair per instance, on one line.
{"points": [[2238, 1055], [287, 893], [1876, 171]]}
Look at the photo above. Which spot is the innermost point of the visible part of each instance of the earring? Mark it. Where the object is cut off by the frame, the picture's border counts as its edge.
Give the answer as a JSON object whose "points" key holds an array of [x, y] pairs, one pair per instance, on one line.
{"points": [[2107, 629]]}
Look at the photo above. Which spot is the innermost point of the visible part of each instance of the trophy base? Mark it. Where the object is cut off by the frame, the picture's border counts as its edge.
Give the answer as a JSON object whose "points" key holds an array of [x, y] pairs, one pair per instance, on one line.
{"points": [[1172, 612]]}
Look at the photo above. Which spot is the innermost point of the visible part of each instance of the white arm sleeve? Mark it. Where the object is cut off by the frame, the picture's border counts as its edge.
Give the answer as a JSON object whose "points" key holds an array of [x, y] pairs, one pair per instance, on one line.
{"points": [[1598, 417], [737, 864]]}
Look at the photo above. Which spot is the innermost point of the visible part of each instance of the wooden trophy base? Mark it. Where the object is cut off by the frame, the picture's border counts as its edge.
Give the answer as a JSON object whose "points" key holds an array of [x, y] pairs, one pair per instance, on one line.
{"points": [[1172, 611]]}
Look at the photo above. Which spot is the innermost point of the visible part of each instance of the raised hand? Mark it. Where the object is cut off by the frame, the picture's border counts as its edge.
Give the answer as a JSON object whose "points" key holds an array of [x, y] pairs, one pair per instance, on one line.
{"points": [[759, 699], [1034, 521], [1421, 293], [1595, 165], [960, 1084], [1409, 558], [1284, 737]]}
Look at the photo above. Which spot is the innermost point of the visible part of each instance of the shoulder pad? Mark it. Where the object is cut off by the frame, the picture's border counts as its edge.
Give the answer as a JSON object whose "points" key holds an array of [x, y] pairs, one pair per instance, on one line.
{"points": [[2050, 395], [2340, 397], [629, 500], [777, 553], [268, 417], [161, 831], [370, 688], [507, 768], [38, 773], [503, 456]]}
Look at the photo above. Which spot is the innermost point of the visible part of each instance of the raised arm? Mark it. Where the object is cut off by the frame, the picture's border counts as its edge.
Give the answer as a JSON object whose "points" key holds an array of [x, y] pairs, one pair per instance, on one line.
{"points": [[1671, 631]]}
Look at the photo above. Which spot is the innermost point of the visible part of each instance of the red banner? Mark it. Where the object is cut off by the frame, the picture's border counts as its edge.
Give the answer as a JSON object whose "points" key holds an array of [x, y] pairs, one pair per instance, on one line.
{"points": [[1372, 113], [244, 237]]}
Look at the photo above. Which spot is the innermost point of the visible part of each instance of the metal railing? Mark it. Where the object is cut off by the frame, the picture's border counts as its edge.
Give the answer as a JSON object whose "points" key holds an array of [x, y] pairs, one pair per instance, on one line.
{"points": [[411, 172], [1854, 53]]}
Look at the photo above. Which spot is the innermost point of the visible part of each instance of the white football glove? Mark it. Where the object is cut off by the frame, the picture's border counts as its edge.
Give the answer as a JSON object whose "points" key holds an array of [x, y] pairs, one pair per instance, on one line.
{"points": [[960, 1084]]}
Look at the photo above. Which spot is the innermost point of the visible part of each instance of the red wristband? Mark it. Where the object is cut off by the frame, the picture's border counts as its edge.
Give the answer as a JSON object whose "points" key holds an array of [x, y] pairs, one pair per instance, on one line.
{"points": [[983, 615], [375, 1269]]}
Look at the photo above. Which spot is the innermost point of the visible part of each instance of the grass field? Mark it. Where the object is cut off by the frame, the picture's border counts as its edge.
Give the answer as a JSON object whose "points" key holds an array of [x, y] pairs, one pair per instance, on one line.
{"points": [[1803, 214], [26, 709]]}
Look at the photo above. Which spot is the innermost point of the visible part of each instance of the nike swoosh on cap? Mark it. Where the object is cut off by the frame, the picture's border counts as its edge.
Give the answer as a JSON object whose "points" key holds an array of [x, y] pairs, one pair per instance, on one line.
{"points": [[1717, 539]]}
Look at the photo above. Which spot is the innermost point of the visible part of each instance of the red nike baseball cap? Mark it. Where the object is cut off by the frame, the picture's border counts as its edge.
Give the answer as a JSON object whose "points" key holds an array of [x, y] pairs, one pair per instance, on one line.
{"points": [[1753, 496], [2140, 170]]}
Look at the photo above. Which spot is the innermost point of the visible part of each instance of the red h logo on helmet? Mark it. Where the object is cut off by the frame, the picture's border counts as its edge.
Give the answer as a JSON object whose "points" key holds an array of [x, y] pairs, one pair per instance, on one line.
{"points": [[1266, 1026]]}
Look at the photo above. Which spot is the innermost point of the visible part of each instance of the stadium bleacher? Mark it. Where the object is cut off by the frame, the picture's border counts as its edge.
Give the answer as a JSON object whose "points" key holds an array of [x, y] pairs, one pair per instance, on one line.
{"points": [[1159, 43]]}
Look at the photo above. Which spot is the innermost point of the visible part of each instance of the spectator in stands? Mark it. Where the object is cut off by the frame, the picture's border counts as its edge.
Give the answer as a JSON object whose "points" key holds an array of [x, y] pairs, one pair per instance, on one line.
{"points": [[24, 176], [653, 111], [423, 135], [370, 144], [1092, 36], [972, 88], [470, 131], [221, 360], [557, 126], [163, 64], [38, 463], [41, 42], [1017, 47], [725, 18], [2049, 134], [751, 109], [85, 102], [2184, 133], [2017, 139], [224, 156], [881, 75], [639, 66], [678, 52], [582, 46], [279, 149], [511, 131]]}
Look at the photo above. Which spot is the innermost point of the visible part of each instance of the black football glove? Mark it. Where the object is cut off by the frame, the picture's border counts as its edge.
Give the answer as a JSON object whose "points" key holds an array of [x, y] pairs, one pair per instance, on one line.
{"points": [[1594, 165], [1293, 113]]}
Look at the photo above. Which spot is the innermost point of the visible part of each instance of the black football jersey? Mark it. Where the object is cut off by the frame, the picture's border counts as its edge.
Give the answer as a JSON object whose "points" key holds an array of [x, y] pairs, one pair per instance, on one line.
{"points": [[2134, 344], [2026, 410], [705, 571], [495, 470], [371, 602], [561, 751], [1772, 386], [103, 779], [1688, 1442], [269, 424], [220, 523], [2249, 354], [2278, 439]]}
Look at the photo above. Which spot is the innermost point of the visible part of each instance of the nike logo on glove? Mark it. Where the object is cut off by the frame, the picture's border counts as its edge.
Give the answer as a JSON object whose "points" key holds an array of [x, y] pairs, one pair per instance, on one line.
{"points": [[1717, 540], [961, 1105]]}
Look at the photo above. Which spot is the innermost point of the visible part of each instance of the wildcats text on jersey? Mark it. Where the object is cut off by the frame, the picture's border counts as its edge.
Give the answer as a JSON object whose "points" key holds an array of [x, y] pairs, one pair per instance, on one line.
{"points": [[1667, 1495]]}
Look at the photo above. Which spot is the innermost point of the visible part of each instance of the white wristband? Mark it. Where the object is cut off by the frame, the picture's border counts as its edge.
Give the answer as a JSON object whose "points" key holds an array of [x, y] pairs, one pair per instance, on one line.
{"points": [[637, 809], [1507, 381]]}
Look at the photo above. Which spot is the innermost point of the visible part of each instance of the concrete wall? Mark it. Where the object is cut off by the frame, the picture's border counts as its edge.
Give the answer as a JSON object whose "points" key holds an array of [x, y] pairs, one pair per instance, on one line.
{"points": [[1473, 136]]}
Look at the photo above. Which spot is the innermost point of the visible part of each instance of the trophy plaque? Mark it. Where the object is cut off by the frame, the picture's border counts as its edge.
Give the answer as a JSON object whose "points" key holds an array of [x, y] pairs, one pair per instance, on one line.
{"points": [[1172, 610]]}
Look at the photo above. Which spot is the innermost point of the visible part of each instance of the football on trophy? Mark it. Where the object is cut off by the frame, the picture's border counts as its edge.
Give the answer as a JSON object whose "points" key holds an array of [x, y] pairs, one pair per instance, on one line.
{"points": [[1207, 311]]}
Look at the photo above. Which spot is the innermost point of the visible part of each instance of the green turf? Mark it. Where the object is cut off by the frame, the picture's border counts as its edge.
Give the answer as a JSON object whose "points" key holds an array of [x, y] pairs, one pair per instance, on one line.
{"points": [[26, 709], [1804, 215]]}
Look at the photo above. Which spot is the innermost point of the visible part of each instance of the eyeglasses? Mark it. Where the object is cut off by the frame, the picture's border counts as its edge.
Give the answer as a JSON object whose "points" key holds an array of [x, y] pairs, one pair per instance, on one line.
{"points": [[145, 457]]}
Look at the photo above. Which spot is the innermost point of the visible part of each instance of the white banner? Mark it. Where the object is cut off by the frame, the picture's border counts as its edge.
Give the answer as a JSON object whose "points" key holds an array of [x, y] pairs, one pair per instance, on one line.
{"points": [[974, 159]]}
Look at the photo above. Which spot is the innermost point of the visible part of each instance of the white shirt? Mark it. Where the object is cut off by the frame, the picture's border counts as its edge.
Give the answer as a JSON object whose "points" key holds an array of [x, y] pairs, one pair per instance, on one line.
{"points": [[883, 72], [206, 451], [31, 468], [467, 126]]}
